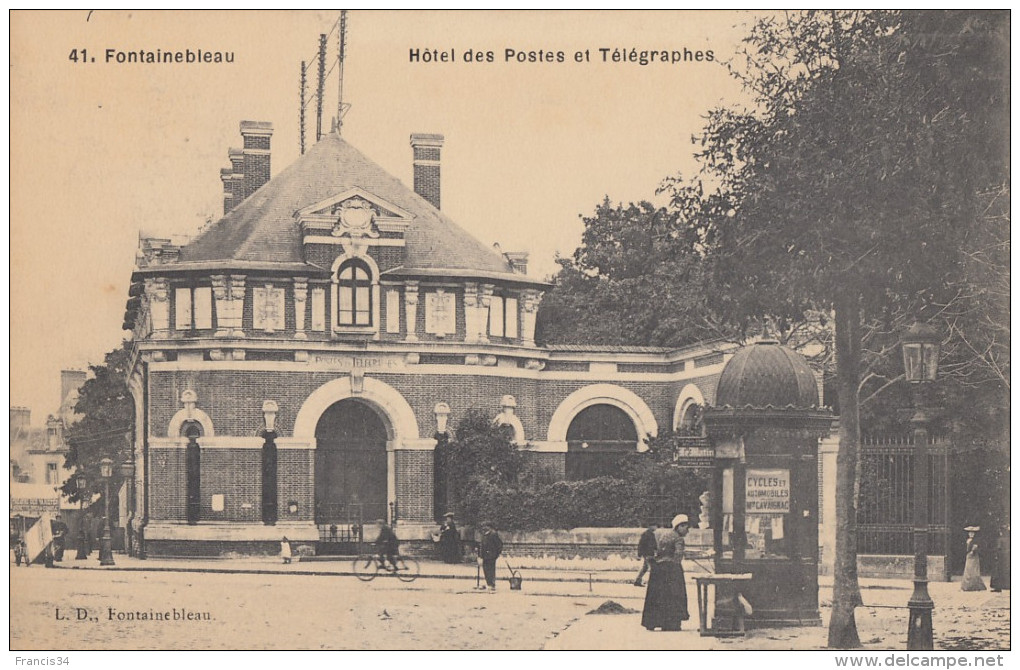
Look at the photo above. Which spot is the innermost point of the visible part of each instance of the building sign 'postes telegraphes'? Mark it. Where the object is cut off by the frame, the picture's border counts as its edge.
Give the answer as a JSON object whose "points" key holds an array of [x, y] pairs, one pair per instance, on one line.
{"points": [[768, 491]]}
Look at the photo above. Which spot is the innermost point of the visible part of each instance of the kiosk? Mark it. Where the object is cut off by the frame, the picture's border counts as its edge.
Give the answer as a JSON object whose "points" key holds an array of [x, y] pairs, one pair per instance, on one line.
{"points": [[764, 428]]}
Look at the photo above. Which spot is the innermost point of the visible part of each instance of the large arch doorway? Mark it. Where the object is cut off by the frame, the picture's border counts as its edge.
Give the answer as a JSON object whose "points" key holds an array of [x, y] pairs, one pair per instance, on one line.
{"points": [[350, 469], [597, 438]]}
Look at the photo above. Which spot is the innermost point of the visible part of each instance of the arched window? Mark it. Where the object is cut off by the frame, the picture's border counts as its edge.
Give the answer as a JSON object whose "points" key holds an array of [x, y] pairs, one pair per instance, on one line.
{"points": [[598, 437], [192, 430], [354, 294], [690, 423]]}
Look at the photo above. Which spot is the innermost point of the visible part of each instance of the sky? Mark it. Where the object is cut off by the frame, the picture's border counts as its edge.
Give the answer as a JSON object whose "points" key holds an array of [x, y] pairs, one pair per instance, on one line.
{"points": [[101, 150]]}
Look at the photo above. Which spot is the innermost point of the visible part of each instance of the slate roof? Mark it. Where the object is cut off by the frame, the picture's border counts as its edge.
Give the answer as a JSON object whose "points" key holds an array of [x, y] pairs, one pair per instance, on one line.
{"points": [[263, 228]]}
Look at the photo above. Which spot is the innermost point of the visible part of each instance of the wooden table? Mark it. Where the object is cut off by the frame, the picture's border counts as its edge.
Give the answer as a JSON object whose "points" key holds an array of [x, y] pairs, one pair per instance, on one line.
{"points": [[703, 582]]}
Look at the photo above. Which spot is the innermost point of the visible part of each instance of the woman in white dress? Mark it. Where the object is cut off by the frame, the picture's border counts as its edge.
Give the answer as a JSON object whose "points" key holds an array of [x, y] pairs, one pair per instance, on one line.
{"points": [[972, 570]]}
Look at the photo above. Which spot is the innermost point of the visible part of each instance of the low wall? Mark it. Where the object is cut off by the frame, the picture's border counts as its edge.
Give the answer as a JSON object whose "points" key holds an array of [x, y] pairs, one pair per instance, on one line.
{"points": [[899, 567], [883, 566], [565, 544]]}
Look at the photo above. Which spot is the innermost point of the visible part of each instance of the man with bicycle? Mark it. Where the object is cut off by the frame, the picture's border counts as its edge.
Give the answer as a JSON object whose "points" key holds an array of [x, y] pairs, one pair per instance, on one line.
{"points": [[386, 545]]}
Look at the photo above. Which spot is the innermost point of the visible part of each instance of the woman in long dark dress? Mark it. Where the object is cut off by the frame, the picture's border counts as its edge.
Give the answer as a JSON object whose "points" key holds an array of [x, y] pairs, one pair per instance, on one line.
{"points": [[666, 597], [1000, 572], [449, 540]]}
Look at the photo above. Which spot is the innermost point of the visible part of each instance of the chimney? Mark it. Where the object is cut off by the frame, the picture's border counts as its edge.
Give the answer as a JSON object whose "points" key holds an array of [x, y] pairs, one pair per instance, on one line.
{"points": [[226, 176], [70, 380], [518, 261], [54, 432], [255, 153], [21, 420], [426, 148]]}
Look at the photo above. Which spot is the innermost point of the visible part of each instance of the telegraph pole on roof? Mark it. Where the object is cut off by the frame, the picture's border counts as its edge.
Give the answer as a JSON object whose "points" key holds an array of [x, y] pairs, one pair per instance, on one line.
{"points": [[320, 90], [341, 107], [301, 112]]}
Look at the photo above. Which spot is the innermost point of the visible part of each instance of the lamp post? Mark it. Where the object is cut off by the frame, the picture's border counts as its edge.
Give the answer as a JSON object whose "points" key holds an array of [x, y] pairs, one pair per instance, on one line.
{"points": [[80, 481], [920, 365], [105, 541]]}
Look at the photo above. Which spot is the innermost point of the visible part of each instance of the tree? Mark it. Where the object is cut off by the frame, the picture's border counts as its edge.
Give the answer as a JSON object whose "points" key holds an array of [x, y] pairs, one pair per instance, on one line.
{"points": [[636, 279], [851, 184], [106, 424], [481, 452]]}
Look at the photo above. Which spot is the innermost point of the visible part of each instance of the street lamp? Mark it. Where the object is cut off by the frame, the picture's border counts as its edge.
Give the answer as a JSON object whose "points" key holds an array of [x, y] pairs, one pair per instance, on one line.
{"points": [[920, 365], [80, 481], [105, 541]]}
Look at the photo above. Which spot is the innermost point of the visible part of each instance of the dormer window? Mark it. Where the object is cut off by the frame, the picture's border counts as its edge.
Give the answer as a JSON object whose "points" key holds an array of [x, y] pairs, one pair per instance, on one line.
{"points": [[354, 294]]}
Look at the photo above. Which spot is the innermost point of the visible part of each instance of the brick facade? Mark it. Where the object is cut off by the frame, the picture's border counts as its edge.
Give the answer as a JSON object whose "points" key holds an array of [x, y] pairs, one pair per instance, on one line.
{"points": [[235, 380]]}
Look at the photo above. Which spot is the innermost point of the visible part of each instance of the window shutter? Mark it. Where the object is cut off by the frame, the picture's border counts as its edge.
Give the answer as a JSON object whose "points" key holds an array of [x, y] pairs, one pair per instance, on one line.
{"points": [[496, 316], [203, 307], [182, 308], [511, 317]]}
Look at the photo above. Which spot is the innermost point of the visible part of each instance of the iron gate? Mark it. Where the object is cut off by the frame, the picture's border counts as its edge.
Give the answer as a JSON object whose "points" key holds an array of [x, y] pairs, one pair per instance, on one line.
{"points": [[345, 527], [885, 506]]}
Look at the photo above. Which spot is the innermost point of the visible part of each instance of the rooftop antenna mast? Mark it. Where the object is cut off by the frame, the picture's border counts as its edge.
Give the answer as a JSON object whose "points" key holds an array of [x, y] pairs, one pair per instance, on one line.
{"points": [[321, 87], [301, 112], [341, 106]]}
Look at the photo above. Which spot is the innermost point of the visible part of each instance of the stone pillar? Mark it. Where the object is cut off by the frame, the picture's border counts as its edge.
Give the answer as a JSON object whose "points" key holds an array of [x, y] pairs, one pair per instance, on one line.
{"points": [[411, 310], [484, 300], [471, 313], [221, 295], [236, 304], [157, 293], [300, 300], [529, 310], [828, 449]]}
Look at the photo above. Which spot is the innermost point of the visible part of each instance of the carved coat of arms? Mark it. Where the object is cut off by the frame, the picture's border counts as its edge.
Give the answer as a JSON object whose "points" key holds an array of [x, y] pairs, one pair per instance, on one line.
{"points": [[356, 217]]}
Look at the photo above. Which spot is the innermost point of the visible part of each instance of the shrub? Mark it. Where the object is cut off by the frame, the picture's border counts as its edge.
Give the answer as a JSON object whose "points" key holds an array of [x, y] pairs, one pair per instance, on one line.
{"points": [[490, 485]]}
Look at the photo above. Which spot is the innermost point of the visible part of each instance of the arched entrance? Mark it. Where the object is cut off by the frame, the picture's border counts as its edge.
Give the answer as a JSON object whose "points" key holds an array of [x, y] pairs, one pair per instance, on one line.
{"points": [[597, 438], [350, 467]]}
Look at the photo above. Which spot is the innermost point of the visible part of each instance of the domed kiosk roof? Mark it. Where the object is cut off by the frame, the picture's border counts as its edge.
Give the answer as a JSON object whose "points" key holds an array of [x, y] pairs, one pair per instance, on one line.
{"points": [[767, 374]]}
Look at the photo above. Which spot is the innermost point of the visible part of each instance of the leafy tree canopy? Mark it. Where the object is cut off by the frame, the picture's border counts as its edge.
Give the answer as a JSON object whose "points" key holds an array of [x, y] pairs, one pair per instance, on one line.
{"points": [[637, 279], [106, 424]]}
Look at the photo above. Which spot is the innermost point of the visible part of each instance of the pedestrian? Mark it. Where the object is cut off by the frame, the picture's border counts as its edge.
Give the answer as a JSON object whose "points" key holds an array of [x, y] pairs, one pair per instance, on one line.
{"points": [[666, 597], [332, 532], [489, 549], [285, 550], [645, 552], [449, 540], [89, 525], [97, 530], [60, 531], [1000, 571], [972, 569], [386, 545]]}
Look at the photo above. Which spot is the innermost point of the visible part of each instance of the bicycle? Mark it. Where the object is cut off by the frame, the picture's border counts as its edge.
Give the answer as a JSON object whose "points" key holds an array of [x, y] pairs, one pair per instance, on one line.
{"points": [[368, 566]]}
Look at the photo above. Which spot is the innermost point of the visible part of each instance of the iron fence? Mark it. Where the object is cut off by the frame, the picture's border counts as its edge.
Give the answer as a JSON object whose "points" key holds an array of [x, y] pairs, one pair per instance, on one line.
{"points": [[885, 506]]}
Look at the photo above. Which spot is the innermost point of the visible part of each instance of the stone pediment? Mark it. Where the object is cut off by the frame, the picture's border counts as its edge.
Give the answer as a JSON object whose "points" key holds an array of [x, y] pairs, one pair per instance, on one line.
{"points": [[354, 212]]}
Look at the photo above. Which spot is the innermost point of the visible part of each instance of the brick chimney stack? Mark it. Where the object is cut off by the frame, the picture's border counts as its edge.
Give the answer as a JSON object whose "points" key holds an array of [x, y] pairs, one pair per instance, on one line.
{"points": [[233, 179], [426, 147], [226, 176], [255, 153]]}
